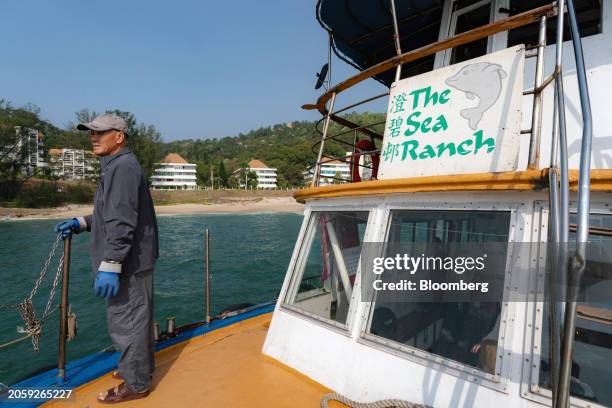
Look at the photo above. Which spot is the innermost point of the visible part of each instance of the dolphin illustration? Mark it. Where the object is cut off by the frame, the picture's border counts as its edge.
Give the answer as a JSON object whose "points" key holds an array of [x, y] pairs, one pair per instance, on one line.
{"points": [[483, 80]]}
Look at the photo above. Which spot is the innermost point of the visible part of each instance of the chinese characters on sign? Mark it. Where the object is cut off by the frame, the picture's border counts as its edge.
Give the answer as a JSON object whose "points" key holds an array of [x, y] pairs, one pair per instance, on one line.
{"points": [[464, 118]]}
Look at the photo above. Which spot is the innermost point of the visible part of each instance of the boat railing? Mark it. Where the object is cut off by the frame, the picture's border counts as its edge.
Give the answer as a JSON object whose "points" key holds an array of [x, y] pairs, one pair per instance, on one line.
{"points": [[346, 136], [577, 263], [326, 102]]}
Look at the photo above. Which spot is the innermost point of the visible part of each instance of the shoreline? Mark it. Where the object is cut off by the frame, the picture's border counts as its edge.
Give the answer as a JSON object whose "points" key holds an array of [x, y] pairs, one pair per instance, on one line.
{"points": [[261, 205]]}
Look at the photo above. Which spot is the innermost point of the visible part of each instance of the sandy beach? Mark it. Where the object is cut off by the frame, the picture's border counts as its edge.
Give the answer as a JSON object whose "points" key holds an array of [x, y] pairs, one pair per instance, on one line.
{"points": [[235, 206]]}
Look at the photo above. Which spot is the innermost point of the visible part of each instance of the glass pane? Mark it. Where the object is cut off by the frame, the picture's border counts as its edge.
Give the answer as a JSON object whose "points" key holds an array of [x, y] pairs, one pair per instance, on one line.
{"points": [[327, 266], [591, 370], [466, 332], [588, 14], [468, 21]]}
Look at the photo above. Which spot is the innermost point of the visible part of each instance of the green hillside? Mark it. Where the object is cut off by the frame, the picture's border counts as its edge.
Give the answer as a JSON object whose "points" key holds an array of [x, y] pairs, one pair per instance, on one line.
{"points": [[288, 147]]}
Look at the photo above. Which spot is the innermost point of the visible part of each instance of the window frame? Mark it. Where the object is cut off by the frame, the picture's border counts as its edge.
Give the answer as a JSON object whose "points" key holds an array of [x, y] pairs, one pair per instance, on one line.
{"points": [[500, 381], [495, 42], [530, 388], [301, 256]]}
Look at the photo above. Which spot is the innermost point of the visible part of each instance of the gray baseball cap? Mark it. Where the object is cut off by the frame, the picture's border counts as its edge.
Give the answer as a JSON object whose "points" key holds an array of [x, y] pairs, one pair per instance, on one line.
{"points": [[105, 122]]}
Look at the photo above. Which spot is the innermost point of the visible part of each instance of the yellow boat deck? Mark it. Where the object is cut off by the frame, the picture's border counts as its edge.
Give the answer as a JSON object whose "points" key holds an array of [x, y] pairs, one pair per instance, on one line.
{"points": [[223, 368]]}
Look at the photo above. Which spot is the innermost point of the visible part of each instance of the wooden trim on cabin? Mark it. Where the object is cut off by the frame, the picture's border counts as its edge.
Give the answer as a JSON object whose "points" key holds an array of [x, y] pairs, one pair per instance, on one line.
{"points": [[601, 180]]}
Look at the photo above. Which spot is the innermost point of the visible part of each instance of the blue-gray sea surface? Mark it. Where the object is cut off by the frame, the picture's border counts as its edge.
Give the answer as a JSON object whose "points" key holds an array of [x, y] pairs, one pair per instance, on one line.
{"points": [[249, 258]]}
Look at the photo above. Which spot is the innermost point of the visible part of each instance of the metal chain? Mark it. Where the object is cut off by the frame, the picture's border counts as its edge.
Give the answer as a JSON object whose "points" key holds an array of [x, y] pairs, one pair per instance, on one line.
{"points": [[46, 266], [58, 272], [41, 276], [33, 326]]}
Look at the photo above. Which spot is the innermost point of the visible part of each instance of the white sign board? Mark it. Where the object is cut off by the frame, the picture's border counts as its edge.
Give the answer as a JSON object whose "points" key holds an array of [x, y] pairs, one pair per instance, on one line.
{"points": [[464, 118]]}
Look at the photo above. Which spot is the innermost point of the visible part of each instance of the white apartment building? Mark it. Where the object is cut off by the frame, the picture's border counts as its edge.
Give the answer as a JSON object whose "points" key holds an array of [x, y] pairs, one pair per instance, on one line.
{"points": [[27, 151], [329, 170], [73, 164], [174, 173], [266, 176]]}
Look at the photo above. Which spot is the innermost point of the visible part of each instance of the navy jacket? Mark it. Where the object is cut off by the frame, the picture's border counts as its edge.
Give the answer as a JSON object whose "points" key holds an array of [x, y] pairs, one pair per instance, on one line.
{"points": [[123, 223]]}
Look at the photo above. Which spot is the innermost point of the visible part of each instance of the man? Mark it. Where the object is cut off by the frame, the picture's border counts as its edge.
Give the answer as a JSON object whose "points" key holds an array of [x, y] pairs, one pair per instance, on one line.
{"points": [[124, 248]]}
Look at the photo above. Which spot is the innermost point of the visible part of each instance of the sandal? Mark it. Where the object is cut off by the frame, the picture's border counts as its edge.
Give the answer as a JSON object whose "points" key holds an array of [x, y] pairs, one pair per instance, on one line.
{"points": [[120, 393]]}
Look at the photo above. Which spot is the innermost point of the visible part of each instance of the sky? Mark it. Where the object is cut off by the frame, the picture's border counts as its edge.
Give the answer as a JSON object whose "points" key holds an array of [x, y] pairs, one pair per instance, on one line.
{"points": [[194, 69]]}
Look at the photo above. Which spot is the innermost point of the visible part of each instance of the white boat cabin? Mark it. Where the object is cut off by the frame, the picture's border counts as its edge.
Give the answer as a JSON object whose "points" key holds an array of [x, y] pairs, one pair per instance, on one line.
{"points": [[444, 354]]}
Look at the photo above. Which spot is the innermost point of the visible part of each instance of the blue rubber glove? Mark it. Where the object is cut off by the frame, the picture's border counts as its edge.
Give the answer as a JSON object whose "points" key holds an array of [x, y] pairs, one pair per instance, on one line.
{"points": [[68, 227], [106, 284]]}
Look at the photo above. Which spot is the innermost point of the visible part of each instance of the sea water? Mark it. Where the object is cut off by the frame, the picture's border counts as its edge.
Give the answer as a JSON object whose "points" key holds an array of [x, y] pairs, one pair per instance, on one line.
{"points": [[249, 254]]}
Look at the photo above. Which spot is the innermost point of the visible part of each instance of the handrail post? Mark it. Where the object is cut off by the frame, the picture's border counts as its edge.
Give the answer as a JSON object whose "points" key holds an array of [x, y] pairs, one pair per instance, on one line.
{"points": [[63, 329], [207, 275], [396, 37], [559, 208], [317, 172], [578, 263], [536, 117]]}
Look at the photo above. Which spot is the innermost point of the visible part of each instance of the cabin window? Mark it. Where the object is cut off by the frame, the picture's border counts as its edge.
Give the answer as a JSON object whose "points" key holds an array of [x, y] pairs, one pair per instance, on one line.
{"points": [[465, 19], [591, 370], [588, 13], [326, 268], [466, 332], [466, 15]]}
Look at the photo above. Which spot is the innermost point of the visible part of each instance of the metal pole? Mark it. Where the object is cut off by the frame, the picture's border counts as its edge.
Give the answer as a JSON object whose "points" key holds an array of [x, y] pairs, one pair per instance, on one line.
{"points": [[564, 199], [329, 62], [578, 262], [207, 274], [584, 183], [396, 37], [536, 117], [553, 199], [559, 208], [63, 331], [343, 272], [315, 178], [563, 159]]}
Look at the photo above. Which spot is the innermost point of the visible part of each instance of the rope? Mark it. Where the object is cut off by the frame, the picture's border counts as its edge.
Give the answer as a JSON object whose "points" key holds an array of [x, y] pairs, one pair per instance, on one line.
{"points": [[33, 326], [72, 324], [14, 341], [388, 403]]}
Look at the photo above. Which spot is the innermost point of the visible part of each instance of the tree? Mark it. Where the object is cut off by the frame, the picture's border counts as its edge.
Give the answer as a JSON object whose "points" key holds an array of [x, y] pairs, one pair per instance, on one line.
{"points": [[252, 180], [202, 174], [222, 174], [240, 176], [14, 124], [83, 116]]}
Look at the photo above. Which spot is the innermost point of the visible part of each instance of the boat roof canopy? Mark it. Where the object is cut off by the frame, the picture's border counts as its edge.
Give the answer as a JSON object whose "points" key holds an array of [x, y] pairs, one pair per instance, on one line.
{"points": [[362, 31]]}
